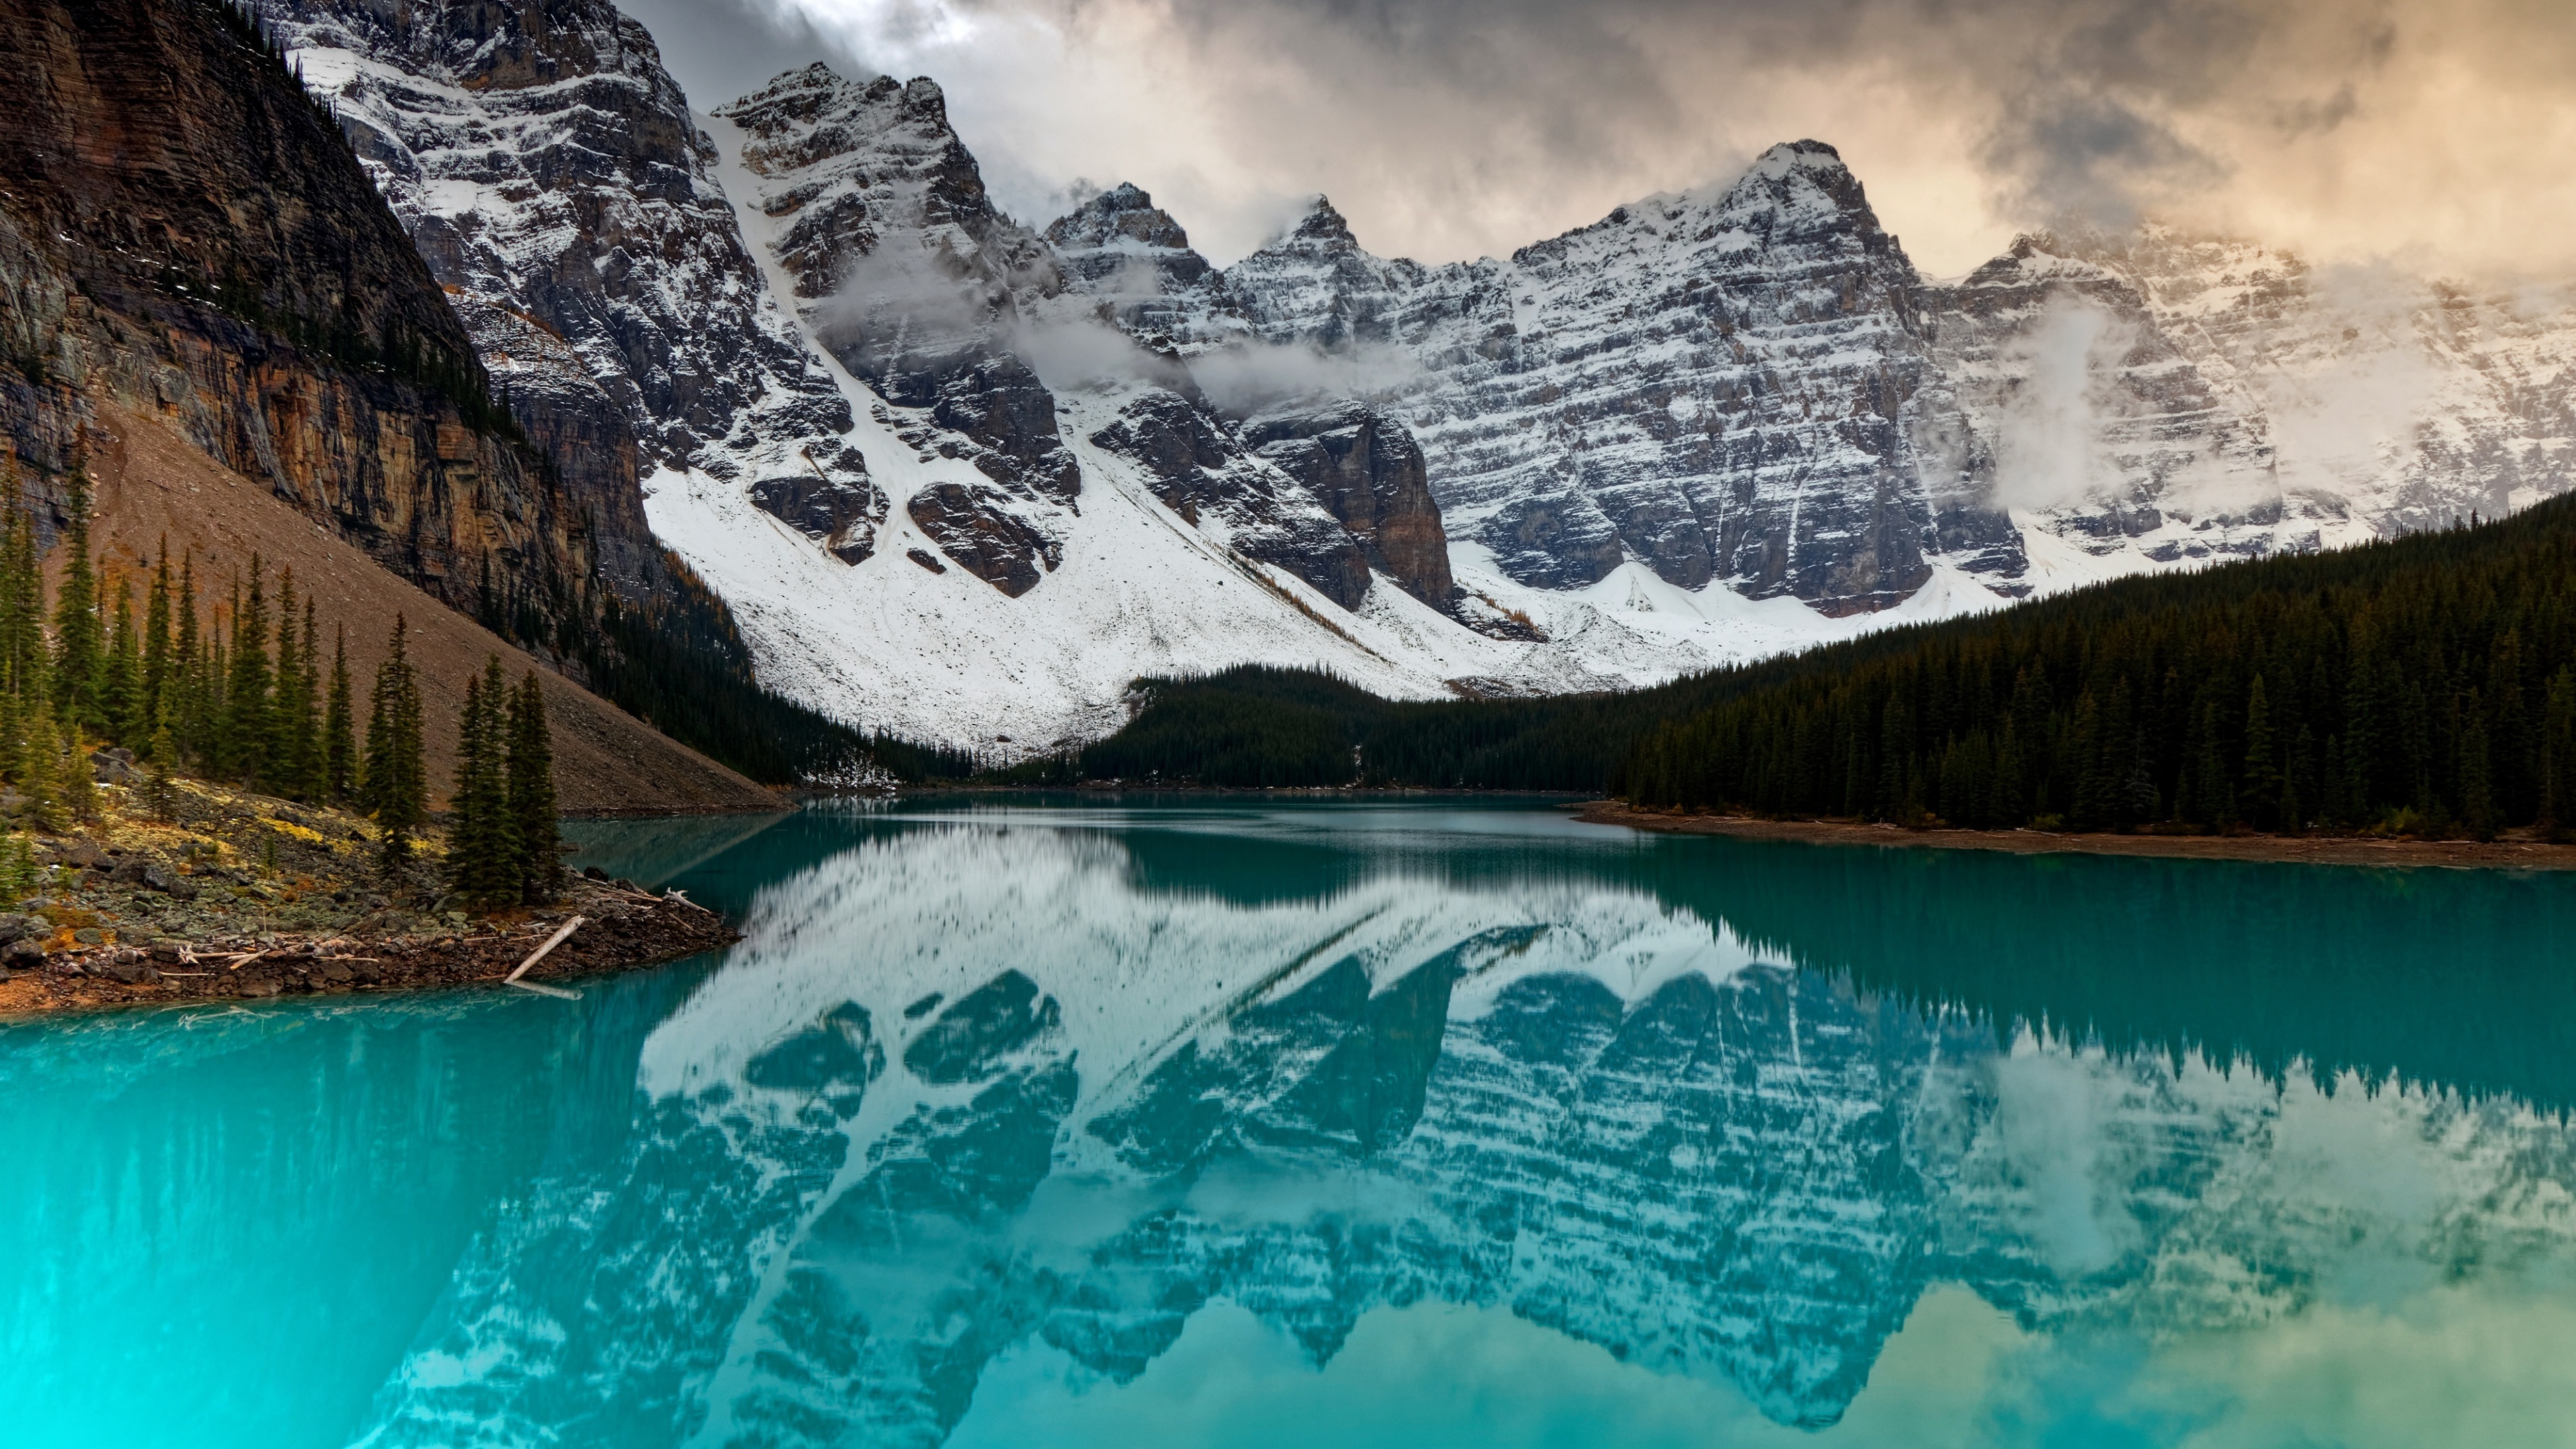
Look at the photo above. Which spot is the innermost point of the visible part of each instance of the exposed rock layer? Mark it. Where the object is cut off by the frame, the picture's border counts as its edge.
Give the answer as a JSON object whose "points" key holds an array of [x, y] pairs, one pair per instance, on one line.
{"points": [[184, 230]]}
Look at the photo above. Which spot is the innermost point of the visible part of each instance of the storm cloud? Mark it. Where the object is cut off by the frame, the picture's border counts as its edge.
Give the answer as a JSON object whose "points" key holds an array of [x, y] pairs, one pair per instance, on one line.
{"points": [[2439, 132]]}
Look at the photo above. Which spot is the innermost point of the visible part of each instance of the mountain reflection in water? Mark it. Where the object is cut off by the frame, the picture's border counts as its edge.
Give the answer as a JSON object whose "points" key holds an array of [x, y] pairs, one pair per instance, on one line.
{"points": [[1016, 1125]]}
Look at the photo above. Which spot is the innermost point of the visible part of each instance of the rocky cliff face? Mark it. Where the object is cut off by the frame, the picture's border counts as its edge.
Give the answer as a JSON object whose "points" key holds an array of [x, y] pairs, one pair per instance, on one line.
{"points": [[546, 166], [2344, 403], [903, 270], [1711, 426], [1733, 385], [185, 230]]}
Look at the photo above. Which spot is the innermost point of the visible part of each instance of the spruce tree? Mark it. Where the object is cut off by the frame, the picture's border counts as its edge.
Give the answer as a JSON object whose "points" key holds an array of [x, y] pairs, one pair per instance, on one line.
{"points": [[484, 861], [532, 793], [184, 690], [396, 790], [79, 642], [469, 825], [310, 767], [22, 607], [156, 642], [213, 720], [339, 727], [126, 720], [75, 786], [247, 705], [40, 774], [2260, 800], [279, 768]]}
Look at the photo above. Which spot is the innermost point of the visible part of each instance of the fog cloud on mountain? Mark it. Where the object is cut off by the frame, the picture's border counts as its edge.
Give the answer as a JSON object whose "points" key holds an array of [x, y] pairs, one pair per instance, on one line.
{"points": [[2437, 132]]}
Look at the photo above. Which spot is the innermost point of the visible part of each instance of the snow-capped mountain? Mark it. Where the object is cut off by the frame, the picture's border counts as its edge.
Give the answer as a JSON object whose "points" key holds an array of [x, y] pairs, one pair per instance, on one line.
{"points": [[546, 167], [964, 479], [853, 1189], [1726, 386]]}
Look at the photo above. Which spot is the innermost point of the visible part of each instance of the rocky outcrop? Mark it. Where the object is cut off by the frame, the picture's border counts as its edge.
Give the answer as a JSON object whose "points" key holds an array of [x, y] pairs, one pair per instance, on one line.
{"points": [[548, 168], [185, 230], [980, 530], [1366, 470], [1201, 471]]}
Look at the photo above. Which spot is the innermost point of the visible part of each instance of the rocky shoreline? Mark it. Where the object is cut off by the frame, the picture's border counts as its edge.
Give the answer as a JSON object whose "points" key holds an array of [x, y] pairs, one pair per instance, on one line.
{"points": [[2500, 854], [194, 892], [621, 928]]}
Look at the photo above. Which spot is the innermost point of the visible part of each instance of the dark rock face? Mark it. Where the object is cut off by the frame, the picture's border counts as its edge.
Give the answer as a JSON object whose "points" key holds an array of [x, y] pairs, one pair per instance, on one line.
{"points": [[1202, 473], [978, 529], [1730, 386], [547, 167], [1367, 471], [841, 516], [1000, 404], [1554, 541], [186, 231]]}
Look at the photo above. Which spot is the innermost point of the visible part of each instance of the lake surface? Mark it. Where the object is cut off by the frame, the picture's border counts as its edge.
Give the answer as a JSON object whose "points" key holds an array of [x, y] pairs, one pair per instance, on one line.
{"points": [[1236, 1123]]}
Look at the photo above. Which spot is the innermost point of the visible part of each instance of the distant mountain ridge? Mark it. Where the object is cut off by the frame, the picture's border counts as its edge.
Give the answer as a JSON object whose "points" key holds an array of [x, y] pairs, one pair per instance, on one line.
{"points": [[963, 479]]}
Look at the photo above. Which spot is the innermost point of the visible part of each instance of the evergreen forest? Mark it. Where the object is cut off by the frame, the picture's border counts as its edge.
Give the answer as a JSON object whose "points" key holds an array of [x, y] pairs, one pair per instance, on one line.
{"points": [[2422, 685], [241, 693]]}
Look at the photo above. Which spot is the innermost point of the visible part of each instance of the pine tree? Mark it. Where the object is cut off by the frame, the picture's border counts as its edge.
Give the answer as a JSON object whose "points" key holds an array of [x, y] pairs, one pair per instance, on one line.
{"points": [[310, 767], [532, 794], [280, 769], [215, 721], [74, 785], [126, 720], [156, 644], [339, 729], [396, 790], [22, 608], [157, 774], [483, 858], [40, 770], [184, 689], [247, 705], [19, 873], [2260, 800], [79, 642]]}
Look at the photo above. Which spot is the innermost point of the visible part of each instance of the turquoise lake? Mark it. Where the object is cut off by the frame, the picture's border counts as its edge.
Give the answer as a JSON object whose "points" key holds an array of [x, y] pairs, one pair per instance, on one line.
{"points": [[1239, 1123]]}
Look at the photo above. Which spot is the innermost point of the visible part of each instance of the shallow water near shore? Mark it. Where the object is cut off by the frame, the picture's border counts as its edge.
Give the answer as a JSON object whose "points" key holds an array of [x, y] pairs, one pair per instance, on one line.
{"points": [[1228, 1121]]}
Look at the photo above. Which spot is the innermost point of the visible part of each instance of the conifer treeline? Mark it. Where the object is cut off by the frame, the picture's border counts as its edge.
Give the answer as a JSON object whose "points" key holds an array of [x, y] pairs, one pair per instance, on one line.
{"points": [[242, 694], [501, 833], [2422, 685]]}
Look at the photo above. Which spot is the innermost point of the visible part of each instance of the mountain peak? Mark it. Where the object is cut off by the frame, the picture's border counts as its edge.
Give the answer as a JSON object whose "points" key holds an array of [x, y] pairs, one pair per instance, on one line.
{"points": [[1323, 223], [1812, 157], [1123, 211]]}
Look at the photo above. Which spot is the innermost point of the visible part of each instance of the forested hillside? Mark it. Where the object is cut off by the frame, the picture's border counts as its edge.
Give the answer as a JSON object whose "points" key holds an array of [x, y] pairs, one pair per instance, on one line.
{"points": [[2425, 685], [2422, 685]]}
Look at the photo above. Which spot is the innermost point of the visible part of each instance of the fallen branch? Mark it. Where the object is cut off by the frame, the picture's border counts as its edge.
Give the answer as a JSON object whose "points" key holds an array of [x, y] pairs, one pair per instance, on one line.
{"points": [[543, 989], [539, 954]]}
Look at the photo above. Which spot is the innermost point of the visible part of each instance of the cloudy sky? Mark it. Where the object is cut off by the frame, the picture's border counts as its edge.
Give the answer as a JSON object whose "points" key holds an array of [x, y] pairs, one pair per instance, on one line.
{"points": [[2437, 133]]}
